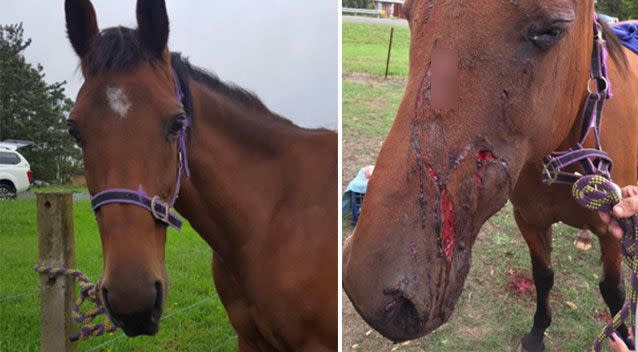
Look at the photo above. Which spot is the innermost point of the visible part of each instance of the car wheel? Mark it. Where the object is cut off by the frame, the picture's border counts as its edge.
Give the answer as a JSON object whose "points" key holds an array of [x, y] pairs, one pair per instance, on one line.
{"points": [[6, 192]]}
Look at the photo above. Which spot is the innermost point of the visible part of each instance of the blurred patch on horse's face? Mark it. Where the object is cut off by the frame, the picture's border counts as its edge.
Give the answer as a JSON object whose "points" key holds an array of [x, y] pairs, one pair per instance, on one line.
{"points": [[118, 101], [444, 73]]}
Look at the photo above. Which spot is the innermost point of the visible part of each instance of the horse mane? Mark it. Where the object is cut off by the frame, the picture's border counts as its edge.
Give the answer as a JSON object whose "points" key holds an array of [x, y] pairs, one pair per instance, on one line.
{"points": [[119, 49], [614, 46], [246, 98]]}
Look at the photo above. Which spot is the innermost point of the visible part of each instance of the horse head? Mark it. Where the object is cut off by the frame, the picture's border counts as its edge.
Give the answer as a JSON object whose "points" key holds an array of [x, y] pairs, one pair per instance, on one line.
{"points": [[493, 85], [128, 122]]}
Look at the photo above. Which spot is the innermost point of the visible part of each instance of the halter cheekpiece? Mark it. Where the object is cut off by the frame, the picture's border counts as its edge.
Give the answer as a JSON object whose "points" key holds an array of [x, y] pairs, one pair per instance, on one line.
{"points": [[159, 209], [594, 161]]}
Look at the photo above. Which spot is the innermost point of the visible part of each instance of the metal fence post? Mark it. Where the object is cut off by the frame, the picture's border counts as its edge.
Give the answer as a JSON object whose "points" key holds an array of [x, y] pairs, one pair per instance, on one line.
{"points": [[56, 249]]}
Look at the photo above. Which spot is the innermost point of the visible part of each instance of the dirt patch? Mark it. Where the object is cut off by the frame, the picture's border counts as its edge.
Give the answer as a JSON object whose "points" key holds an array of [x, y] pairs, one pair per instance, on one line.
{"points": [[357, 153], [603, 316], [373, 80]]}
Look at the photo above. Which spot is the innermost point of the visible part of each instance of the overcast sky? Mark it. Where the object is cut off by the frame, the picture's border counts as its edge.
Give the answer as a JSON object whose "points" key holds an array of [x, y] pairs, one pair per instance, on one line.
{"points": [[284, 50]]}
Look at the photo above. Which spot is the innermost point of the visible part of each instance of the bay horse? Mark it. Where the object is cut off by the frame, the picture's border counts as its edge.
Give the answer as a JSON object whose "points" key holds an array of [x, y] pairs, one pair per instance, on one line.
{"points": [[493, 87], [259, 190]]}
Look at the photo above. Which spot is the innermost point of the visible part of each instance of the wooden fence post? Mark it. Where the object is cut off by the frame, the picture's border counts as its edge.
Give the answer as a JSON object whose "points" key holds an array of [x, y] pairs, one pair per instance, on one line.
{"points": [[387, 63], [56, 249]]}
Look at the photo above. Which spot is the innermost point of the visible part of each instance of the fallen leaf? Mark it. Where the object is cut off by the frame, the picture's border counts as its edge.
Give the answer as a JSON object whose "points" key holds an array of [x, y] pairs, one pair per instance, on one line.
{"points": [[368, 332], [355, 346], [406, 343], [571, 305]]}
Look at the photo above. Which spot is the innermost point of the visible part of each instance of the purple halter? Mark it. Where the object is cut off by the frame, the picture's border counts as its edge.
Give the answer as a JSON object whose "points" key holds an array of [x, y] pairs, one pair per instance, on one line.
{"points": [[594, 161], [161, 210]]}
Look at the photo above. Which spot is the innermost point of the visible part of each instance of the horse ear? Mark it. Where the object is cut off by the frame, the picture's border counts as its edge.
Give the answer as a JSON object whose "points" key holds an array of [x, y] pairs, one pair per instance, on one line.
{"points": [[81, 24], [152, 24]]}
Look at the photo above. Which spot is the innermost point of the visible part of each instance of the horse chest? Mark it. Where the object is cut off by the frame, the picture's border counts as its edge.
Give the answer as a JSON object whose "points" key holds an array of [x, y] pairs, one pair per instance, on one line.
{"points": [[543, 205], [532, 198], [266, 305]]}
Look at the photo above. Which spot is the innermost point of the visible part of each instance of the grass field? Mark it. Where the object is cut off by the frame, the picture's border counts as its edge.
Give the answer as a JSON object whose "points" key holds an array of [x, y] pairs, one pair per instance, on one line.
{"points": [[498, 303], [365, 48], [60, 188], [193, 320]]}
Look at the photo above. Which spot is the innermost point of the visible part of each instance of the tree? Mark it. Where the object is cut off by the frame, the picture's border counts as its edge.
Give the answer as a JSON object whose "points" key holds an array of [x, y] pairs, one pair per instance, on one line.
{"points": [[358, 4], [631, 9], [623, 9], [33, 110]]}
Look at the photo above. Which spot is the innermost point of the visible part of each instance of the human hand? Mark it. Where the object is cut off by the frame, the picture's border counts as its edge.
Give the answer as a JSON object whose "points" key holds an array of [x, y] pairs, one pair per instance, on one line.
{"points": [[628, 207], [617, 344]]}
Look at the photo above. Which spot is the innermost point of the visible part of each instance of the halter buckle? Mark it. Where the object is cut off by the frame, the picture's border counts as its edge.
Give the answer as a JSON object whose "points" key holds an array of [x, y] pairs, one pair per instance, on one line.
{"points": [[550, 173], [599, 30], [597, 80], [162, 217]]}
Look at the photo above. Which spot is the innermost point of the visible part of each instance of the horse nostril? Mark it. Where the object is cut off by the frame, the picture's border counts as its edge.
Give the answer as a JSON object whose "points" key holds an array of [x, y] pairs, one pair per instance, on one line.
{"points": [[109, 309], [157, 307], [403, 321], [105, 296]]}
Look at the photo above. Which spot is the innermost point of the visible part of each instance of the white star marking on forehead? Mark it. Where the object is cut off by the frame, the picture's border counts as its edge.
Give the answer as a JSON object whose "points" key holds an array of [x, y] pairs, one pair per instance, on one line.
{"points": [[118, 101]]}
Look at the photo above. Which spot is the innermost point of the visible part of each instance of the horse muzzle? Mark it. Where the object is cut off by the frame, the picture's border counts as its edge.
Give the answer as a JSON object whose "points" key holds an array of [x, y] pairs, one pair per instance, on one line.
{"points": [[137, 311], [401, 312]]}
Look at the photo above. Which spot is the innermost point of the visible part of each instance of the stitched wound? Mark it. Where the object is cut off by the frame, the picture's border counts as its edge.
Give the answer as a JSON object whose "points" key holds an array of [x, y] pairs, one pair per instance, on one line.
{"points": [[448, 219]]}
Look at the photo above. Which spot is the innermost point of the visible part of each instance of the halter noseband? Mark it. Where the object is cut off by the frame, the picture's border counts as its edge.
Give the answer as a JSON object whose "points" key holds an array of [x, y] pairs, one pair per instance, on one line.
{"points": [[161, 210]]}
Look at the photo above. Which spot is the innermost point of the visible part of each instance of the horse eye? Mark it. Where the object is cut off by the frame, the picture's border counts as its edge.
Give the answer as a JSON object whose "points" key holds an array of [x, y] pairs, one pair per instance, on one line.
{"points": [[176, 124], [75, 133], [545, 38]]}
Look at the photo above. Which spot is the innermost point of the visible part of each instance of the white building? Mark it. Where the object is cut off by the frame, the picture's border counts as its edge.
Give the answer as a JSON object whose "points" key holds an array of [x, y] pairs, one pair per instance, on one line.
{"points": [[390, 8]]}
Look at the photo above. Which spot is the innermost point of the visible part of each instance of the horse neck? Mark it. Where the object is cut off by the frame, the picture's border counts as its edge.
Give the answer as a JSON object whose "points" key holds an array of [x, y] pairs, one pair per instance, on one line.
{"points": [[236, 160]]}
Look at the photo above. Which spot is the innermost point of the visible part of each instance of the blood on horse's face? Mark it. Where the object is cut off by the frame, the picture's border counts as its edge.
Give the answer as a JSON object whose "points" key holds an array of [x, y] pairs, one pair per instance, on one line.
{"points": [[124, 118], [484, 97]]}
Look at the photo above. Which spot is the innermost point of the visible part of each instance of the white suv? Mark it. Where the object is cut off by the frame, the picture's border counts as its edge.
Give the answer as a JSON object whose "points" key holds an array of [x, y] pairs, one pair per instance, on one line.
{"points": [[15, 172]]}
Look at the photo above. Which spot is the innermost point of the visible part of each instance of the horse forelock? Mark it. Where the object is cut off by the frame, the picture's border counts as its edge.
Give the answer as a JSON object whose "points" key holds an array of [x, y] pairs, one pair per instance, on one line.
{"points": [[116, 49]]}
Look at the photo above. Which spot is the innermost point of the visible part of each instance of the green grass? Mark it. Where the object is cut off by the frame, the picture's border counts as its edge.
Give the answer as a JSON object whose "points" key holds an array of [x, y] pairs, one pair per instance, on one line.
{"points": [[375, 117], [365, 48], [491, 315], [59, 188], [193, 320]]}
